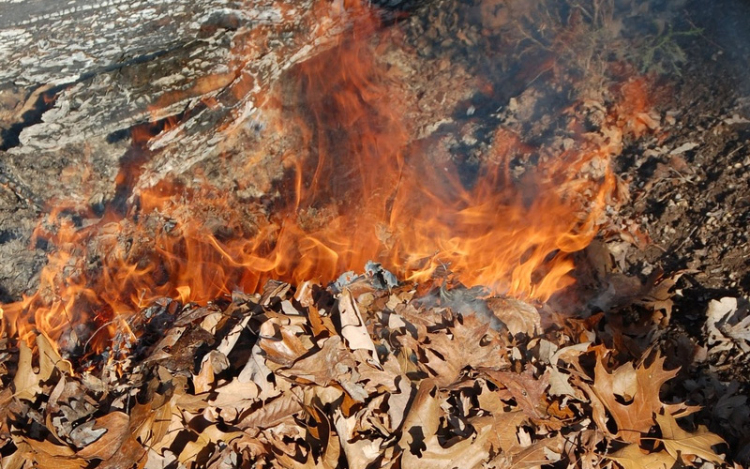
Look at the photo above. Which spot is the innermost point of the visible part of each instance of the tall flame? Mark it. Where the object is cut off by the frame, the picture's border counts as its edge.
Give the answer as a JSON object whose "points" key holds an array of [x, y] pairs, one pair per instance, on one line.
{"points": [[358, 189]]}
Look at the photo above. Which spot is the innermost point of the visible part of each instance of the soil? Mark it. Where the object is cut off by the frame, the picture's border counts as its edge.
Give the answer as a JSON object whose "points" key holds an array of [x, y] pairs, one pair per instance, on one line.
{"points": [[691, 186]]}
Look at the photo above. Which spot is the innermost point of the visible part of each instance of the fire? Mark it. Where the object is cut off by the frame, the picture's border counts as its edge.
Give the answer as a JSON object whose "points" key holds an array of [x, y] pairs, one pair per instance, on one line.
{"points": [[358, 189]]}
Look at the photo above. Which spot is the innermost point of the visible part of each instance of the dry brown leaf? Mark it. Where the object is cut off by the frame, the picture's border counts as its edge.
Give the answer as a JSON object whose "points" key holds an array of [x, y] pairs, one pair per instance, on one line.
{"points": [[230, 340], [636, 415], [233, 394], [281, 343], [398, 401], [50, 359], [47, 454], [633, 457], [117, 426], [271, 413], [26, 382], [256, 371], [213, 362], [163, 349], [659, 297], [131, 454], [519, 317], [360, 452], [18, 458], [379, 380], [419, 441], [680, 443], [329, 441], [85, 434], [324, 366], [287, 462], [539, 453], [353, 327], [527, 390], [559, 384], [503, 429], [149, 424], [320, 324], [469, 344], [209, 437]]}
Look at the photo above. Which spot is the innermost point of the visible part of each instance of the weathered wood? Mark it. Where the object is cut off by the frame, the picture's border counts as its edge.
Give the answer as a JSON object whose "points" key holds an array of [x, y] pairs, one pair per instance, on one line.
{"points": [[45, 41], [213, 71], [115, 64]]}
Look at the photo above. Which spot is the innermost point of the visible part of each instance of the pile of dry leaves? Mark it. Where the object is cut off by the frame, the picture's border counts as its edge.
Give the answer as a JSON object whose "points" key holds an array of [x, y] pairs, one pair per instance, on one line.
{"points": [[356, 375]]}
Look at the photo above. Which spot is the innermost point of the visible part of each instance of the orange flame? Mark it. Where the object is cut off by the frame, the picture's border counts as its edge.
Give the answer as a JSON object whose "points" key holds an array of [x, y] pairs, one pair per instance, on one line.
{"points": [[359, 192]]}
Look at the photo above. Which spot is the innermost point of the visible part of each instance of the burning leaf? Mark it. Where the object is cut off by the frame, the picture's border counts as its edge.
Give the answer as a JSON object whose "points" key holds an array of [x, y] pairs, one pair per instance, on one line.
{"points": [[680, 444], [26, 382]]}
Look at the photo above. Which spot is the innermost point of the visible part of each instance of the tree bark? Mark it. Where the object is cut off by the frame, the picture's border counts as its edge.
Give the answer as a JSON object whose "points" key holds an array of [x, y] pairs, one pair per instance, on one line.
{"points": [[110, 65]]}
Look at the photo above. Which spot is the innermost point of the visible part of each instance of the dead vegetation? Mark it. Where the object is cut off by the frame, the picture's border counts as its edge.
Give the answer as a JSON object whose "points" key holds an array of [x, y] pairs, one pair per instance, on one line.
{"points": [[358, 376]]}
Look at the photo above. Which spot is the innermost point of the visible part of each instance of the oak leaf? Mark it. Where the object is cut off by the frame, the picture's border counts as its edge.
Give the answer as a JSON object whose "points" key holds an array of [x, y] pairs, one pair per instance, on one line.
{"points": [[353, 328], [48, 454], [470, 343], [117, 429], [539, 453], [421, 445], [527, 390], [283, 344], [26, 381], [638, 391], [680, 443], [519, 317], [207, 439], [325, 366], [633, 457]]}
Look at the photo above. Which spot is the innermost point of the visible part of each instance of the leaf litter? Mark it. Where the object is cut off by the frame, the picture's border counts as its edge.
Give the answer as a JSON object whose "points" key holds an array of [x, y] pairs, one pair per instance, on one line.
{"points": [[363, 374]]}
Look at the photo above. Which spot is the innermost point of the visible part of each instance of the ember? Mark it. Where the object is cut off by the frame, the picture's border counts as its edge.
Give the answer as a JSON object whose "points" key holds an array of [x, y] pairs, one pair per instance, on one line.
{"points": [[212, 310]]}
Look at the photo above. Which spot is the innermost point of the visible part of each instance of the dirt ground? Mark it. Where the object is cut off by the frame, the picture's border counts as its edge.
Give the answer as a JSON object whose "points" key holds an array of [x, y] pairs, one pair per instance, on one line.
{"points": [[691, 187]]}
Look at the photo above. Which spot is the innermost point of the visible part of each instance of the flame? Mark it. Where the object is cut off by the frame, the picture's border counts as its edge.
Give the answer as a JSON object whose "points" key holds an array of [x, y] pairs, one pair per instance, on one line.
{"points": [[358, 189]]}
